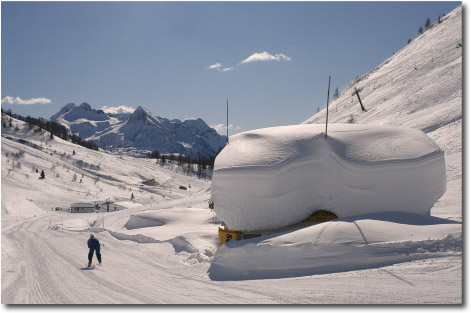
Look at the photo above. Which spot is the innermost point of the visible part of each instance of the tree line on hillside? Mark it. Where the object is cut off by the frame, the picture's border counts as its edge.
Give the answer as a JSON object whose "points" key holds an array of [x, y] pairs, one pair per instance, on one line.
{"points": [[428, 24], [201, 166], [53, 128]]}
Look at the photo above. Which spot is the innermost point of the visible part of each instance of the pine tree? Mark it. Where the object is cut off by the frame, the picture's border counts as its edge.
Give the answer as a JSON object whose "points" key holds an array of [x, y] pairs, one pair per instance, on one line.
{"points": [[409, 41], [427, 23], [42, 174], [132, 196], [439, 20], [155, 154], [336, 93], [421, 30]]}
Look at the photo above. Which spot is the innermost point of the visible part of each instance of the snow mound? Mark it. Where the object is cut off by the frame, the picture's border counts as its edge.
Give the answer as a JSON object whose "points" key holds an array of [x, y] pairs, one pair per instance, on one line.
{"points": [[179, 243], [136, 221], [355, 243], [274, 177]]}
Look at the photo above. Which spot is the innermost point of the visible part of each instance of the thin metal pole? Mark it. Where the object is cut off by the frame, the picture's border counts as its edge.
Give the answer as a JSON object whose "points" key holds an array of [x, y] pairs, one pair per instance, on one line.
{"points": [[361, 104], [227, 120], [327, 114]]}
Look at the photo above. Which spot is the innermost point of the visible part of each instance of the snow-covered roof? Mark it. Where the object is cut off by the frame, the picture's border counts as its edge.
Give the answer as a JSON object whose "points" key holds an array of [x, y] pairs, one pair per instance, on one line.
{"points": [[82, 205], [275, 177]]}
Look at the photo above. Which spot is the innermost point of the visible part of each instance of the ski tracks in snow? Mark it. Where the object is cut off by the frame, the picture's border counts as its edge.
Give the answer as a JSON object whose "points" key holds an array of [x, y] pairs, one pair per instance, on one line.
{"points": [[46, 268], [47, 272]]}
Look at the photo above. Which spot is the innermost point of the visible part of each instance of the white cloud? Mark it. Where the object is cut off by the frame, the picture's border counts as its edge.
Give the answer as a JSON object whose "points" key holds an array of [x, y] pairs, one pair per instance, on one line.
{"points": [[214, 66], [218, 67], [117, 110], [265, 56], [256, 57], [19, 101], [221, 128]]}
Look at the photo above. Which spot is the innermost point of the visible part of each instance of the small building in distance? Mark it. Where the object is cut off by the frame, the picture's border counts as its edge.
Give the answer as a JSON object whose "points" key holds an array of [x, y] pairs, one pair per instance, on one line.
{"points": [[98, 206], [83, 207]]}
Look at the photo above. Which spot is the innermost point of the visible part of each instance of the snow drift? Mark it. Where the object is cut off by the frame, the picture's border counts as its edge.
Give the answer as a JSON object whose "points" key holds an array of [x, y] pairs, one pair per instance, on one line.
{"points": [[353, 243], [271, 178]]}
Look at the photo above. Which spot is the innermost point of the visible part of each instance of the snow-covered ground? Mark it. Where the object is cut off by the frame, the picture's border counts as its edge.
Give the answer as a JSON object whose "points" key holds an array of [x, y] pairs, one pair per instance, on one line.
{"points": [[163, 247]]}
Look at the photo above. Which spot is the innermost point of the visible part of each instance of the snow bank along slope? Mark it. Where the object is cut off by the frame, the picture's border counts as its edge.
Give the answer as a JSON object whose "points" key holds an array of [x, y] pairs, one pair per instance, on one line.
{"points": [[419, 87], [275, 177], [359, 242]]}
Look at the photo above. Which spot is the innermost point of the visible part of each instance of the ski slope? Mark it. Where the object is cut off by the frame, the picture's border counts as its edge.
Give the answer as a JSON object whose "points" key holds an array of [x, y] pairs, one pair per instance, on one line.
{"points": [[162, 247]]}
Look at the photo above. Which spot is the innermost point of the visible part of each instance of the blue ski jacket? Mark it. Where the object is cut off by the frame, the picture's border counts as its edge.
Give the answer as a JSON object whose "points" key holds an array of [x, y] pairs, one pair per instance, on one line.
{"points": [[93, 243]]}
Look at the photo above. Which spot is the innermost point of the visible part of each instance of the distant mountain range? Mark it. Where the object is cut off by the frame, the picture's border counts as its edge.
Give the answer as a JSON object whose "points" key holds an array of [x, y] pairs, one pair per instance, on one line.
{"points": [[140, 130]]}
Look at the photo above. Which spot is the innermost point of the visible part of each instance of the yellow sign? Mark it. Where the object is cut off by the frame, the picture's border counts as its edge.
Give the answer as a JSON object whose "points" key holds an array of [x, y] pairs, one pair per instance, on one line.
{"points": [[226, 235], [321, 216]]}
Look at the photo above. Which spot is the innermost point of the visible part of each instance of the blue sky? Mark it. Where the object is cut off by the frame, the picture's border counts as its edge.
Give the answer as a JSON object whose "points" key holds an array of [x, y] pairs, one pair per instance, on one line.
{"points": [[181, 59]]}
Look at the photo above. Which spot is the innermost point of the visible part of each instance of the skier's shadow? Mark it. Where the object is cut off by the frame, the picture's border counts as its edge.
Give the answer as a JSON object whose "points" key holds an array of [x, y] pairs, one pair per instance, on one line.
{"points": [[86, 268]]}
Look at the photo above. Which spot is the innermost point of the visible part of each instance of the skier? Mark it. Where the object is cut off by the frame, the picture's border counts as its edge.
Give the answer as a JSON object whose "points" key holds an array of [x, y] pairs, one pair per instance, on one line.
{"points": [[93, 245]]}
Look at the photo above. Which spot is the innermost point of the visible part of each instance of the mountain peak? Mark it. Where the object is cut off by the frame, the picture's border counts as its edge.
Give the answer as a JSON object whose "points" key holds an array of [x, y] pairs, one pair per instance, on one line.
{"points": [[68, 107], [85, 106], [196, 124], [140, 115]]}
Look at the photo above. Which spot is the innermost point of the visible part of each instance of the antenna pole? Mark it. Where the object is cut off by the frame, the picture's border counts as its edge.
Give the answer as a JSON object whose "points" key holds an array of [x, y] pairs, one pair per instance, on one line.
{"points": [[327, 114], [227, 120]]}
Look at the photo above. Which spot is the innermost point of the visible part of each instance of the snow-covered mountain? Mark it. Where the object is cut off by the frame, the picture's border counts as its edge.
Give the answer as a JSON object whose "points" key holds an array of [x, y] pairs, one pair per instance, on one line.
{"points": [[140, 130], [82, 119]]}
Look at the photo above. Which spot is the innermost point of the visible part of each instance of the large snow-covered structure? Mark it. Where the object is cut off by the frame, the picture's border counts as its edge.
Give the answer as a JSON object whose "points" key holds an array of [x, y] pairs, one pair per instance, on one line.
{"points": [[271, 178]]}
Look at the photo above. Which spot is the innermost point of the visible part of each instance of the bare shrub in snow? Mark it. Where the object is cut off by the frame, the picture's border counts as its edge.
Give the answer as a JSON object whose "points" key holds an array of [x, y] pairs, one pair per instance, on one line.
{"points": [[351, 119], [20, 154]]}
